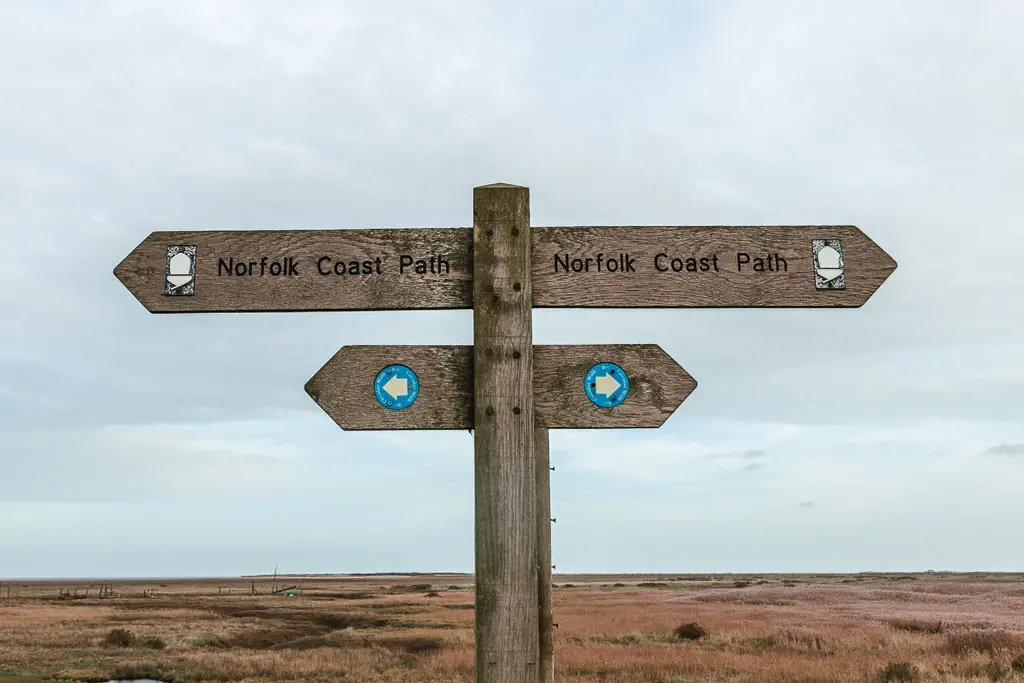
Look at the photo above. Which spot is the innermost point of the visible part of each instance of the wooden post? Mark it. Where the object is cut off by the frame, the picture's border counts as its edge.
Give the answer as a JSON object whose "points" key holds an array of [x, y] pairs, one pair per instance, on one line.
{"points": [[507, 633], [546, 666]]}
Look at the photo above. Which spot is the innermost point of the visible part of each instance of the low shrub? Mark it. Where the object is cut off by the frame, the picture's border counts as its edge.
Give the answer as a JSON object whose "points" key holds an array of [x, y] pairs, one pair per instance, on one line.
{"points": [[899, 672], [987, 642], [996, 671], [141, 672], [916, 625], [153, 643], [120, 637], [690, 631], [413, 645], [763, 643], [1017, 663]]}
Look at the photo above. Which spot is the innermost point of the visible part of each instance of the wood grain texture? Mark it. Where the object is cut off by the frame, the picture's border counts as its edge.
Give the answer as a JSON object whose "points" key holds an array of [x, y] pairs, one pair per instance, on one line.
{"points": [[343, 387], [867, 266], [657, 385], [143, 270], [542, 455], [507, 634]]}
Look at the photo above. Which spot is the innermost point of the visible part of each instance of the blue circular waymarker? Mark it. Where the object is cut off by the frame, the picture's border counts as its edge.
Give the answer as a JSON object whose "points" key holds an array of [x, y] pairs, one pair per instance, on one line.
{"points": [[606, 385], [396, 387]]}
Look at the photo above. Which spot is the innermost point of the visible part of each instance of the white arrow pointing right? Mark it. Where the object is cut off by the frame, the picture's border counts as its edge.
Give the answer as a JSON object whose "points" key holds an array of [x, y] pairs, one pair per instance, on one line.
{"points": [[397, 386], [607, 385]]}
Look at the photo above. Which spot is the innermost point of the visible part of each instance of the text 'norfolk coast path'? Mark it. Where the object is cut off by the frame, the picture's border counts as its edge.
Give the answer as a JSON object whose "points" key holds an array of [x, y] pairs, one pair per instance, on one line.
{"points": [[571, 267]]}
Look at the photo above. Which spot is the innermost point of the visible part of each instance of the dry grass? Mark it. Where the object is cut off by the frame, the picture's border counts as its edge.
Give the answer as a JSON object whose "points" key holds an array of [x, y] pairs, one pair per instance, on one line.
{"points": [[664, 629]]}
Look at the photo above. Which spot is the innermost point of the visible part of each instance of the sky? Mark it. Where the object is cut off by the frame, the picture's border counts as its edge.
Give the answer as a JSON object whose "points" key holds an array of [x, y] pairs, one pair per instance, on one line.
{"points": [[884, 438]]}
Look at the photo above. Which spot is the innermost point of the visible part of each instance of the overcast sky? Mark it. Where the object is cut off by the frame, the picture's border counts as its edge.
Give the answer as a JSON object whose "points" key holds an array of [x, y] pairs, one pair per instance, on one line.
{"points": [[889, 437]]}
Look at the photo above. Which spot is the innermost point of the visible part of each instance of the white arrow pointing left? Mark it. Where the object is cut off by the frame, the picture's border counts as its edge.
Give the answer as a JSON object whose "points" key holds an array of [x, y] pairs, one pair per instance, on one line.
{"points": [[397, 386], [607, 385]]}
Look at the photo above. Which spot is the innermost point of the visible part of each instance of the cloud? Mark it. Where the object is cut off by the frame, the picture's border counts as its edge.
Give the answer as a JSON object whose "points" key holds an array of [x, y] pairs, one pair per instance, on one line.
{"points": [[292, 454], [806, 504], [750, 454], [1008, 449], [251, 115]]}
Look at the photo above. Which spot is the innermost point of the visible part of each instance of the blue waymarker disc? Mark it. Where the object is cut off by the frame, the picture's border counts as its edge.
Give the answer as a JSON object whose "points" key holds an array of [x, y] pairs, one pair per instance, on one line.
{"points": [[606, 385], [396, 387]]}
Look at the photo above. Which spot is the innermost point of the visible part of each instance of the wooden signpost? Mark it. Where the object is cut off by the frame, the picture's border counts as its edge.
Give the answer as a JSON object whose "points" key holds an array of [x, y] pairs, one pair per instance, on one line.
{"points": [[509, 391]]}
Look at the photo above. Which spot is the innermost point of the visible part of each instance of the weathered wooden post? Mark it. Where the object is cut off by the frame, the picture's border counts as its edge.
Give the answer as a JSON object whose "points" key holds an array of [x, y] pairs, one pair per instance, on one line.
{"points": [[542, 456], [506, 499]]}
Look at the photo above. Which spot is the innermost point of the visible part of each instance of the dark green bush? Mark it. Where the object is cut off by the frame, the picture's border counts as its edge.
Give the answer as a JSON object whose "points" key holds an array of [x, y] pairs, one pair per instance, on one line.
{"points": [[899, 672], [153, 643], [916, 625], [120, 637], [996, 671], [690, 631]]}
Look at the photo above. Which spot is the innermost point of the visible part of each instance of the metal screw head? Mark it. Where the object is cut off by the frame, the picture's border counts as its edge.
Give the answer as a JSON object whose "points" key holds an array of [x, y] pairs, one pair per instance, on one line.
{"points": [[490, 410], [515, 410], [516, 354], [516, 286]]}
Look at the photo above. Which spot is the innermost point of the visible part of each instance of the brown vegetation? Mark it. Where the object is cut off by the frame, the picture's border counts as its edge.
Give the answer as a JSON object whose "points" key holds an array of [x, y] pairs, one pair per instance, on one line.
{"points": [[665, 629]]}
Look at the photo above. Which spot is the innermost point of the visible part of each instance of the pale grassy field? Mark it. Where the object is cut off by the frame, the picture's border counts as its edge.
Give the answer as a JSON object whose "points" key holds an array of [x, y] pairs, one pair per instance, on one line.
{"points": [[388, 628]]}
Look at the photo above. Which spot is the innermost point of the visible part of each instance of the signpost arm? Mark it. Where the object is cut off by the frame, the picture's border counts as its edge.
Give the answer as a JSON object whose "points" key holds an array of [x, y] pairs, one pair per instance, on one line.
{"points": [[542, 455], [507, 632]]}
